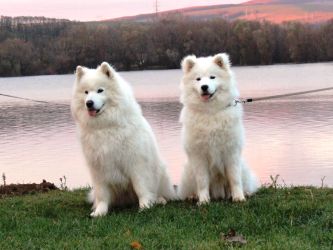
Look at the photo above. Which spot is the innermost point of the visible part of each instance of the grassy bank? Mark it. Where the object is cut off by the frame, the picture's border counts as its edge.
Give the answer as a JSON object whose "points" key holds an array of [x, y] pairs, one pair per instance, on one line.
{"points": [[288, 218]]}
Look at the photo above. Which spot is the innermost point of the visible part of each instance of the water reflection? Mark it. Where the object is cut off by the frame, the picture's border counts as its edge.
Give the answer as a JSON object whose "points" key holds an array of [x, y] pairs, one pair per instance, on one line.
{"points": [[291, 137]]}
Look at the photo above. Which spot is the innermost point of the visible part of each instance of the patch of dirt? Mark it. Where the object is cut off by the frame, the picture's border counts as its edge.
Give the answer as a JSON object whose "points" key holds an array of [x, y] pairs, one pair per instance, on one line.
{"points": [[233, 238], [22, 189]]}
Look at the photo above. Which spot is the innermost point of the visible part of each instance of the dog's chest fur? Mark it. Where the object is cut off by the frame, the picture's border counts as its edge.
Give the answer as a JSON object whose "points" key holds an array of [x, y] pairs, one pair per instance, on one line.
{"points": [[106, 151], [221, 132]]}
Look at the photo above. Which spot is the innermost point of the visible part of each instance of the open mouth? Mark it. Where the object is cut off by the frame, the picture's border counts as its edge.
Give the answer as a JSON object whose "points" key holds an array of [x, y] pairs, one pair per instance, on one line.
{"points": [[94, 112], [206, 96]]}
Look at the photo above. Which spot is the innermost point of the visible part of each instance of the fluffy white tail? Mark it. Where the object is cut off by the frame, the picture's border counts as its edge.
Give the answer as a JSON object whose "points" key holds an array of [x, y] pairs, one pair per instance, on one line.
{"points": [[250, 181], [166, 188], [91, 196]]}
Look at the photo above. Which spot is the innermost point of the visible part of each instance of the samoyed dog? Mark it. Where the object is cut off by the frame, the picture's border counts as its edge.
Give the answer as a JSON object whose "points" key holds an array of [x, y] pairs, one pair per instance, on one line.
{"points": [[117, 142], [212, 133]]}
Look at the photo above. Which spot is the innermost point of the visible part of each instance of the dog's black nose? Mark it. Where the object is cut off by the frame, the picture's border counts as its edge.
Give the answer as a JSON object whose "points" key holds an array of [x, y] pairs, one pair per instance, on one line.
{"points": [[89, 104], [204, 87]]}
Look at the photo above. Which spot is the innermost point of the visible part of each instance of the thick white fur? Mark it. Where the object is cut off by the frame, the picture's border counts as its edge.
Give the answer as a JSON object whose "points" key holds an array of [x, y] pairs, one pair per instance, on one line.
{"points": [[118, 143], [213, 133]]}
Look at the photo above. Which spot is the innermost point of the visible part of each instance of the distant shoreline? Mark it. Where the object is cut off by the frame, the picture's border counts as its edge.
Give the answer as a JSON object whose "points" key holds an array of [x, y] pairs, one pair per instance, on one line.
{"points": [[48, 48], [161, 68]]}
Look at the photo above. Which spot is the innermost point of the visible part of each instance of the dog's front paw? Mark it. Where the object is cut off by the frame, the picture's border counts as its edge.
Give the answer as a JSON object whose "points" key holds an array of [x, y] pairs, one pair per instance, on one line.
{"points": [[239, 198], [161, 201], [203, 201], [101, 210], [97, 214], [204, 198], [145, 204]]}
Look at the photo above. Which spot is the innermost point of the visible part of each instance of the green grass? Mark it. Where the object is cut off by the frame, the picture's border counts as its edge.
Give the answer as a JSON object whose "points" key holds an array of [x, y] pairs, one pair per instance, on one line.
{"points": [[286, 218]]}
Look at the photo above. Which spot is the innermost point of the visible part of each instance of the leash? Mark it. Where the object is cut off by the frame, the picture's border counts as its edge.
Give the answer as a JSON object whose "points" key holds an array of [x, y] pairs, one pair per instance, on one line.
{"points": [[31, 100], [23, 98], [240, 100]]}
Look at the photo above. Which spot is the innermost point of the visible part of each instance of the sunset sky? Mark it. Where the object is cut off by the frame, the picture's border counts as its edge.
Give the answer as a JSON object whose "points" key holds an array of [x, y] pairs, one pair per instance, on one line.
{"points": [[91, 10]]}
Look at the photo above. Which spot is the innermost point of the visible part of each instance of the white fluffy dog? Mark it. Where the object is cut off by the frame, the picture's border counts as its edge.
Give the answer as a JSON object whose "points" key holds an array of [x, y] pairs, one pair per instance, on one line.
{"points": [[118, 143], [213, 133]]}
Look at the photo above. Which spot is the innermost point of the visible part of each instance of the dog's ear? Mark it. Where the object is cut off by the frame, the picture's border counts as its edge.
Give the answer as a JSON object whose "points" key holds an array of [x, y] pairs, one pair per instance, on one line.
{"points": [[222, 60], [106, 69], [79, 72], [187, 63]]}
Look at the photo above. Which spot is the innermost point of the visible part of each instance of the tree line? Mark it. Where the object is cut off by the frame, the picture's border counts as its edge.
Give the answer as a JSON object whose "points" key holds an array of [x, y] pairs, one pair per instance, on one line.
{"points": [[32, 46]]}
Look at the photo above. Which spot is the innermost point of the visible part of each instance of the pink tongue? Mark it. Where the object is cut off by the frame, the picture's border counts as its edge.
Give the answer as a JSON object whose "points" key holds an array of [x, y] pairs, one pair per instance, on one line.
{"points": [[92, 112], [205, 97]]}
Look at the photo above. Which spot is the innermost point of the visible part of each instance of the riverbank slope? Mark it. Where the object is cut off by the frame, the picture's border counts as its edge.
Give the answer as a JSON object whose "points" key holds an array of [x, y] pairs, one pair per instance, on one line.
{"points": [[283, 218]]}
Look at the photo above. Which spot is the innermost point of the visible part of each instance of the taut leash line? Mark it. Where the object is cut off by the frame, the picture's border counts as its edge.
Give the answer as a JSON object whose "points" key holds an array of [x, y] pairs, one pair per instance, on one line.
{"points": [[255, 99], [23, 98]]}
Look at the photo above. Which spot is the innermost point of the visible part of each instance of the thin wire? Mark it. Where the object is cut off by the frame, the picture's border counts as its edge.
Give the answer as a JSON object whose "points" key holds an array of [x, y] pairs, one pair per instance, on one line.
{"points": [[282, 95], [23, 98]]}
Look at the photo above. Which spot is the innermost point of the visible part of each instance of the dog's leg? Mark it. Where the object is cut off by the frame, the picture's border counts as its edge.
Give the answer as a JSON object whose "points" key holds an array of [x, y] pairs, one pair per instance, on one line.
{"points": [[146, 197], [202, 179], [218, 187], [102, 199], [186, 188], [234, 176]]}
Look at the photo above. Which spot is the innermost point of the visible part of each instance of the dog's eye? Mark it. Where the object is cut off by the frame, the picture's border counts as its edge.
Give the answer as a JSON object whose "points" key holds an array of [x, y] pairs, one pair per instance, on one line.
{"points": [[86, 92], [212, 77], [100, 90], [198, 79]]}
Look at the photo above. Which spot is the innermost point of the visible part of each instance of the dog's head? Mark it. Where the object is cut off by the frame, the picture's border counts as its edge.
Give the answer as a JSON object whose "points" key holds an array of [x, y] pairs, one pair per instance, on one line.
{"points": [[95, 90], [207, 79]]}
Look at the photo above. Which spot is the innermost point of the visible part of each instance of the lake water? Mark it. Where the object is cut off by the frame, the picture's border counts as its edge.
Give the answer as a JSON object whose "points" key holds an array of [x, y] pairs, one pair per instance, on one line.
{"points": [[292, 137]]}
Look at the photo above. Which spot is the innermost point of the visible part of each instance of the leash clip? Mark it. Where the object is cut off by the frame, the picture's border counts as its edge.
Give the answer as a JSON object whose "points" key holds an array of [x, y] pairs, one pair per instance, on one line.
{"points": [[239, 101]]}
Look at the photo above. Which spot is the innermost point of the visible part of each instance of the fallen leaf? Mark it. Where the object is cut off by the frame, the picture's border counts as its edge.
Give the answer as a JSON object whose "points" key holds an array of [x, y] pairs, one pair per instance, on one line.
{"points": [[233, 238], [136, 245]]}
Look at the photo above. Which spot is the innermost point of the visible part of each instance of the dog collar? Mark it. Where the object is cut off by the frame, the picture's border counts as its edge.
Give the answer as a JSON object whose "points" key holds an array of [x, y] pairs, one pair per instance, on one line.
{"points": [[233, 104]]}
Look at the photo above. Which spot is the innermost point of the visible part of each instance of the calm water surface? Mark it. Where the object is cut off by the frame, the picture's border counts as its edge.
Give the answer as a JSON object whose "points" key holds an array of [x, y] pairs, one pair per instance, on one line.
{"points": [[292, 137]]}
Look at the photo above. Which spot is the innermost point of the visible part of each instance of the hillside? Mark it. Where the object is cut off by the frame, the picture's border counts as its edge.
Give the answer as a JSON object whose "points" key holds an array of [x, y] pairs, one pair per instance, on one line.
{"points": [[276, 11]]}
